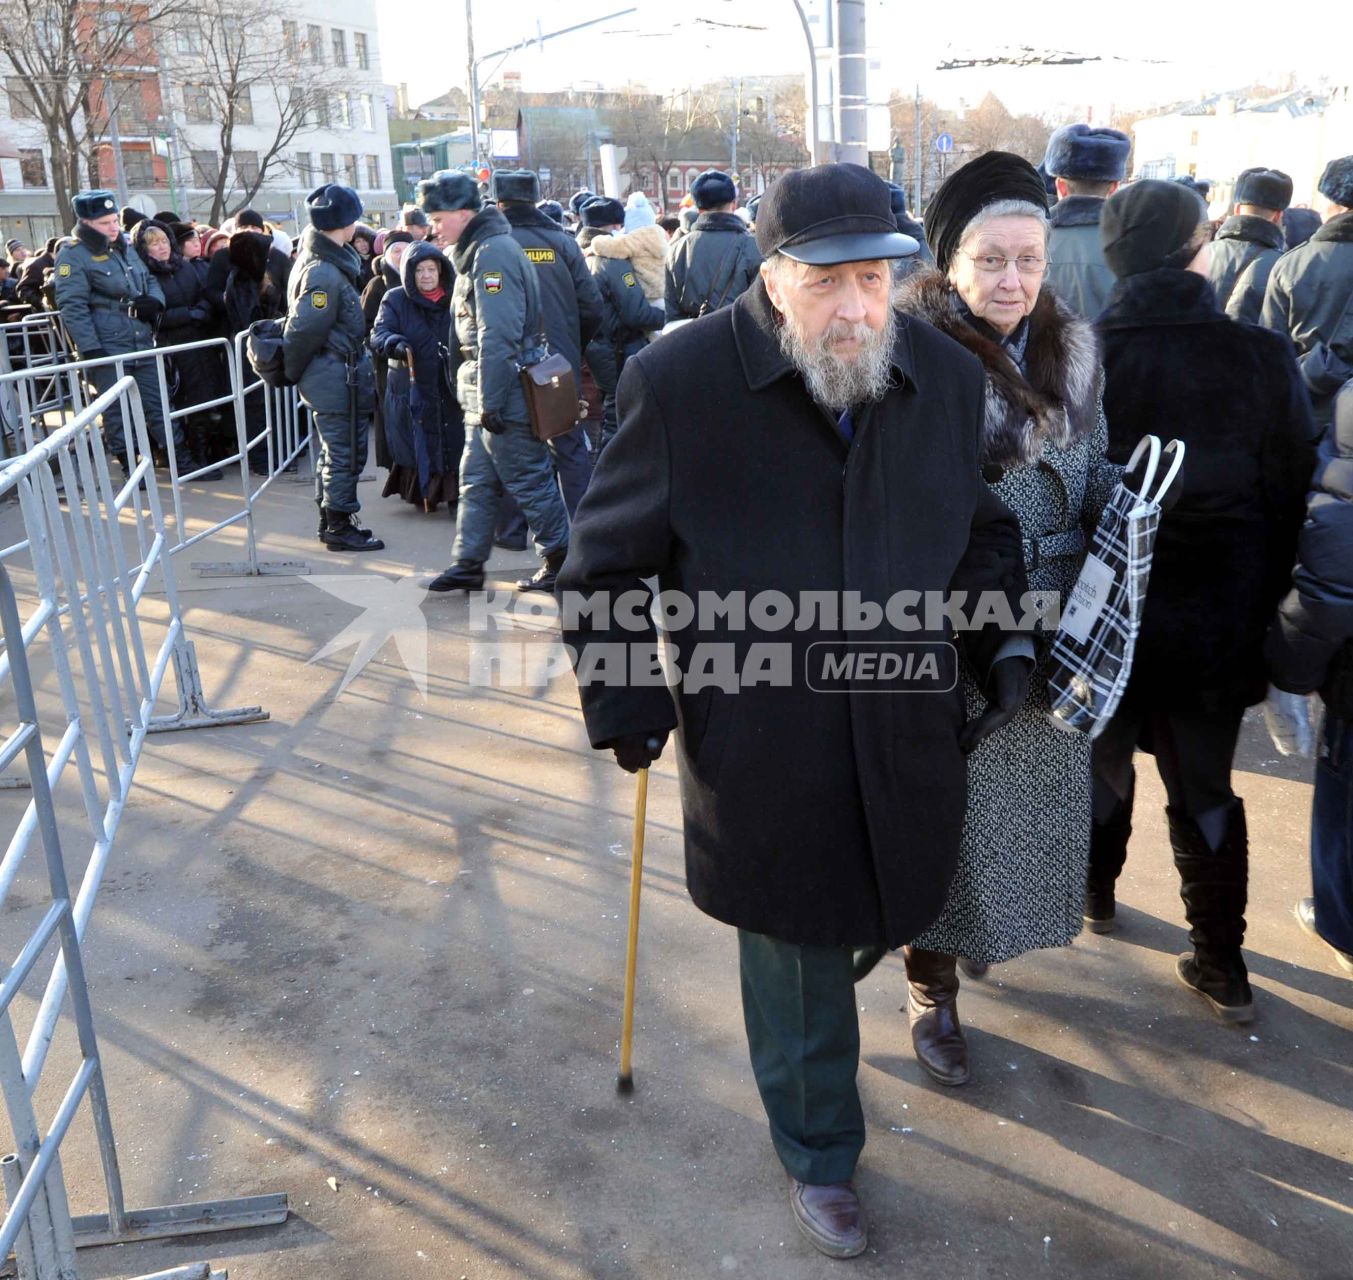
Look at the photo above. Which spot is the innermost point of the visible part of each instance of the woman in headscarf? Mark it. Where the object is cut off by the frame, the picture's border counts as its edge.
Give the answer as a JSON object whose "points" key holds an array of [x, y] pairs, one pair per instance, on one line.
{"points": [[192, 376], [424, 426], [364, 241], [386, 277], [1020, 881]]}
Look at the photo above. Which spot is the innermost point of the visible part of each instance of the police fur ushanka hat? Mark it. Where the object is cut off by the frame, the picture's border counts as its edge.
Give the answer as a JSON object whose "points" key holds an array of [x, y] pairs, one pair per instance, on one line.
{"points": [[1082, 152], [602, 211], [333, 206], [447, 191], [94, 204], [521, 185], [1336, 183], [1267, 188]]}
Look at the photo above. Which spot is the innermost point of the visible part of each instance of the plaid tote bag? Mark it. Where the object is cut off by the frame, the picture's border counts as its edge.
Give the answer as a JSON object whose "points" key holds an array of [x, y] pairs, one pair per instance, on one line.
{"points": [[1092, 651]]}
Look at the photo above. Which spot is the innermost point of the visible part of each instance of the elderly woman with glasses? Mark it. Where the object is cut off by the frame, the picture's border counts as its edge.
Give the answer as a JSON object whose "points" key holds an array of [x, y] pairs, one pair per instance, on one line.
{"points": [[1026, 841]]}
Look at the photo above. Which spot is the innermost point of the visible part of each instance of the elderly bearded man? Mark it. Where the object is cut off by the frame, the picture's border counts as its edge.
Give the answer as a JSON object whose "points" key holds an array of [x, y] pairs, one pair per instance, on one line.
{"points": [[829, 454]]}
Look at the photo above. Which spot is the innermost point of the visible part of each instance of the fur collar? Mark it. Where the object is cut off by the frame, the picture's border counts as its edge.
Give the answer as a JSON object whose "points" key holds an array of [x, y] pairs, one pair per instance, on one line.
{"points": [[1056, 402], [1338, 228], [645, 249], [1250, 229], [1077, 211]]}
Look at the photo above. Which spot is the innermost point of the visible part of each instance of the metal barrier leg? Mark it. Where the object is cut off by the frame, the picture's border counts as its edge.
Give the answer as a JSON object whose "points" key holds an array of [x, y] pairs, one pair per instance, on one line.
{"points": [[25, 1261], [193, 711]]}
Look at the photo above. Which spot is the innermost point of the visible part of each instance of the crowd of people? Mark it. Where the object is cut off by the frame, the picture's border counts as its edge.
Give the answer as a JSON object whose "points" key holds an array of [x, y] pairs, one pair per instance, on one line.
{"points": [[822, 393]]}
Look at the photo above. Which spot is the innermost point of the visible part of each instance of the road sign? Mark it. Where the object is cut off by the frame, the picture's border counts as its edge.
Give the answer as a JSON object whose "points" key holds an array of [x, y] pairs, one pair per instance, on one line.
{"points": [[944, 144]]}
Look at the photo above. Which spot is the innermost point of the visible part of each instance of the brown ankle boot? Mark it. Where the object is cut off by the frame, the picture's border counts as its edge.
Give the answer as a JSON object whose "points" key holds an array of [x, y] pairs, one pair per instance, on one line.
{"points": [[932, 1007]]}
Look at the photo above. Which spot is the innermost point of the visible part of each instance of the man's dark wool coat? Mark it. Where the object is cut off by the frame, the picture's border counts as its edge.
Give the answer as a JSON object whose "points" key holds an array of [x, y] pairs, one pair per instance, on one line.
{"points": [[1175, 366], [814, 817]]}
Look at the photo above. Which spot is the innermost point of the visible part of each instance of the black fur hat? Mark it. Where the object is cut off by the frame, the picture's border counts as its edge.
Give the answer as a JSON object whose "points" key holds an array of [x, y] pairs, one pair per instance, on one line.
{"points": [[521, 185], [1336, 183], [333, 206], [1079, 151], [94, 204], [448, 190], [601, 211], [1268, 188], [553, 210], [578, 199], [713, 189]]}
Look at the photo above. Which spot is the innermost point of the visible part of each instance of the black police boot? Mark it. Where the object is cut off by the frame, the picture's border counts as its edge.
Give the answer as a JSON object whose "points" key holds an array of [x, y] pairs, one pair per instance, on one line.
{"points": [[464, 575], [547, 575], [342, 532], [1108, 852], [192, 455], [323, 523], [1213, 883]]}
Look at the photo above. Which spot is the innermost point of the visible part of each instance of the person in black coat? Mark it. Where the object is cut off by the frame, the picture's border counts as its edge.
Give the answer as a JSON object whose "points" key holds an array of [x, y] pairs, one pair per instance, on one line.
{"points": [[424, 426], [277, 263], [385, 276], [194, 376], [364, 241], [757, 453], [1174, 365], [33, 275], [1310, 648]]}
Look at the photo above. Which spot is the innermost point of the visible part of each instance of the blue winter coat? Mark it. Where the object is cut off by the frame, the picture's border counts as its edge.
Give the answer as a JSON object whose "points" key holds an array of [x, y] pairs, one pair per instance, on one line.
{"points": [[424, 426]]}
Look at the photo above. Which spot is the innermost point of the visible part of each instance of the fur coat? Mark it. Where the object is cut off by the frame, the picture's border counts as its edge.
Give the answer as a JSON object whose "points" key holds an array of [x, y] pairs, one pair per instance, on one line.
{"points": [[1020, 881], [645, 249]]}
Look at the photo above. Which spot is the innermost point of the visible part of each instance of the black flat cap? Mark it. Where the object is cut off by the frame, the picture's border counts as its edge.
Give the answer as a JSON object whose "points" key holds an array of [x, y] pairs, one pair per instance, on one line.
{"points": [[830, 213], [1268, 188]]}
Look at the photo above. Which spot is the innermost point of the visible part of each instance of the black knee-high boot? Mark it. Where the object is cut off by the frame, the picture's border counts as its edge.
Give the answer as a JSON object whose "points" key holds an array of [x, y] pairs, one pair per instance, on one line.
{"points": [[1108, 852], [1213, 885]]}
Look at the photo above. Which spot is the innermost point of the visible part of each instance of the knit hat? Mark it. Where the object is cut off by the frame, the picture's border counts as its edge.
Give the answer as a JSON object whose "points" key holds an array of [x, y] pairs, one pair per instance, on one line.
{"points": [[712, 189], [1080, 151], [447, 191], [129, 217], [1267, 188], [331, 207], [94, 204], [397, 236], [413, 216], [11, 245], [1336, 183], [638, 212], [252, 218], [992, 177], [181, 231], [602, 211], [1151, 224]]}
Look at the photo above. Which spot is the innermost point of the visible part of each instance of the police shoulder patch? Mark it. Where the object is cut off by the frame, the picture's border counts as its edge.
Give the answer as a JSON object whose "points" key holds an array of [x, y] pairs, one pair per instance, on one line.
{"points": [[63, 269], [629, 279], [493, 282], [319, 299]]}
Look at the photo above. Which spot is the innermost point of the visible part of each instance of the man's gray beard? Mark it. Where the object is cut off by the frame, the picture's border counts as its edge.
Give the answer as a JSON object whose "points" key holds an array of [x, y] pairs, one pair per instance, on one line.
{"points": [[833, 381]]}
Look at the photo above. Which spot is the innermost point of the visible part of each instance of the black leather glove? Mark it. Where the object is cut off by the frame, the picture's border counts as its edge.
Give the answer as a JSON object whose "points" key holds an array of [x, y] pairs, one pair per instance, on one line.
{"points": [[146, 308], [493, 423], [1009, 687], [399, 351], [637, 751]]}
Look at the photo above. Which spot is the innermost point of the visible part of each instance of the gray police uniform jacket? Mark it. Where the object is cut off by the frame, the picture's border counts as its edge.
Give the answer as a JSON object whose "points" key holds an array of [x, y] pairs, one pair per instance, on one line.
{"points": [[1310, 298], [1243, 255], [569, 300], [496, 321], [716, 263], [1076, 266], [325, 328], [95, 279]]}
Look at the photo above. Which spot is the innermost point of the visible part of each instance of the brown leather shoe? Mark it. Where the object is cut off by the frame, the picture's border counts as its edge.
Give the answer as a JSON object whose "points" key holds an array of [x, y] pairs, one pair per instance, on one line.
{"points": [[830, 1216], [932, 1008]]}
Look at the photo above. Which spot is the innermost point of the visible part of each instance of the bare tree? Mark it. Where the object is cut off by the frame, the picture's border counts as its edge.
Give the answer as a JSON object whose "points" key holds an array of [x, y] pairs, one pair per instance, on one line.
{"points": [[75, 62], [654, 129], [237, 68]]}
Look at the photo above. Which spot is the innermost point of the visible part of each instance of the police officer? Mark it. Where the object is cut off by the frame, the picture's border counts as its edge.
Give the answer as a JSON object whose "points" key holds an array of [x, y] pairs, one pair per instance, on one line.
{"points": [[110, 303], [717, 259], [570, 306], [1249, 242], [496, 324], [324, 347], [1086, 165]]}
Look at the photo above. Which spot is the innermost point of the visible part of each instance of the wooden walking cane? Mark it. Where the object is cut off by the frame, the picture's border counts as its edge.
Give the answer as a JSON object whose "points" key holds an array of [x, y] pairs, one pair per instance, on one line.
{"points": [[625, 1082]]}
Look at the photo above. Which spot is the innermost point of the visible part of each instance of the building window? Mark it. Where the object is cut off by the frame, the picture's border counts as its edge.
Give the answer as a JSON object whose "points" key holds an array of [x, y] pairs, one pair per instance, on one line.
{"points": [[205, 167], [115, 30], [244, 106], [351, 178], [359, 48], [340, 48], [305, 169], [137, 168], [246, 168], [314, 39], [1193, 138], [33, 168], [329, 169], [321, 113], [197, 103], [342, 111], [291, 39], [368, 111], [673, 180], [373, 172], [20, 100], [188, 40]]}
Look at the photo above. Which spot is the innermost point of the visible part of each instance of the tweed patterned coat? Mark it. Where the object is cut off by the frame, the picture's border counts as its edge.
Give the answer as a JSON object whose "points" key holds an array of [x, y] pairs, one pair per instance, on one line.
{"points": [[1020, 881]]}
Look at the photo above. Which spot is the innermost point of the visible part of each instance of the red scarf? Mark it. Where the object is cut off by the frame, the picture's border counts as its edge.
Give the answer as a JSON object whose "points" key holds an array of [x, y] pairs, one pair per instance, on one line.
{"points": [[435, 296]]}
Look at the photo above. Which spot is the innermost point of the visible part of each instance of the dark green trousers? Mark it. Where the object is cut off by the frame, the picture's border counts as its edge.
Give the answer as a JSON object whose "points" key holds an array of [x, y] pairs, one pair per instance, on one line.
{"points": [[803, 1032]]}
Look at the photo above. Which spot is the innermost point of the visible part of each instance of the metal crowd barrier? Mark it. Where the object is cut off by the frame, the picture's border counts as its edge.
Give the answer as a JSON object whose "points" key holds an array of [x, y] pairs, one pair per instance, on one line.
{"points": [[39, 391], [37, 341], [89, 587]]}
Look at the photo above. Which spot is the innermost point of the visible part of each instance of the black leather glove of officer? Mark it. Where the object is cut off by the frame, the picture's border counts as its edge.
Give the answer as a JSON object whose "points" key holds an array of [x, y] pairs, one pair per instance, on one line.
{"points": [[493, 423], [637, 751], [1009, 687], [146, 308]]}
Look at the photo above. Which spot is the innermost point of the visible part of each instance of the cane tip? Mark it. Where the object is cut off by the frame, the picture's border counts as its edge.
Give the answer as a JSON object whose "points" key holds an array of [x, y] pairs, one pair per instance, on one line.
{"points": [[624, 1084]]}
